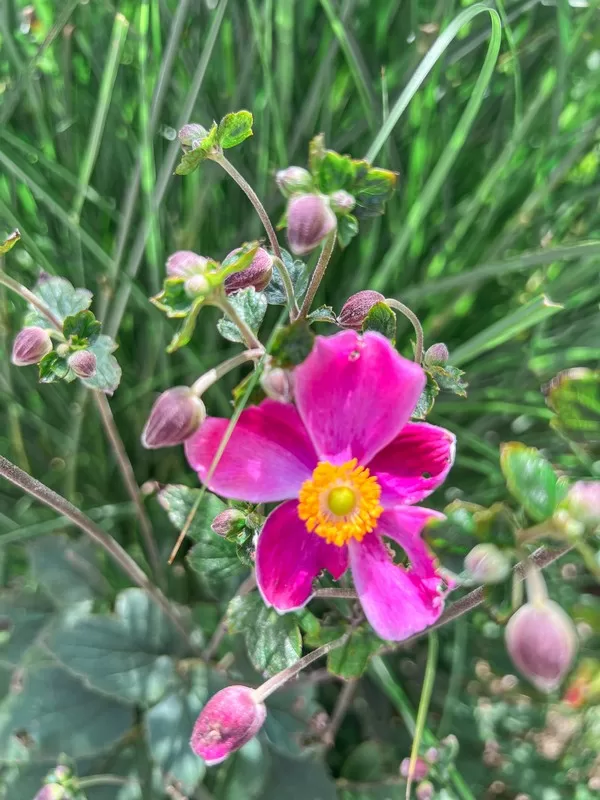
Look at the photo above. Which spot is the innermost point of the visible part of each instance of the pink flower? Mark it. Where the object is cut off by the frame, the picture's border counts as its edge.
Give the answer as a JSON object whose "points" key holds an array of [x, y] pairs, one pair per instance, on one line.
{"points": [[349, 466]]}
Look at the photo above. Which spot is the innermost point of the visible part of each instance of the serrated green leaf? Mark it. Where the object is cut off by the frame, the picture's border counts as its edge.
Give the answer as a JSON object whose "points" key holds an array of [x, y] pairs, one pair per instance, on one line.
{"points": [[574, 396], [426, 400], [234, 128], [310, 624], [373, 190], [381, 319], [352, 658], [108, 372], [192, 159], [67, 569], [9, 242], [245, 773], [347, 228], [292, 344], [335, 172], [449, 378], [299, 274], [215, 559], [25, 615], [531, 480], [251, 307], [185, 333], [273, 641], [178, 501], [323, 314], [60, 297], [82, 326], [173, 298], [53, 368]]}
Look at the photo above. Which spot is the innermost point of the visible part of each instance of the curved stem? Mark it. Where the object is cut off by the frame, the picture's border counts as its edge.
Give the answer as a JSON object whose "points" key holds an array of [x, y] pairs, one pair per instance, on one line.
{"points": [[317, 275], [29, 296], [103, 780], [342, 705], [412, 317], [216, 373], [249, 336]]}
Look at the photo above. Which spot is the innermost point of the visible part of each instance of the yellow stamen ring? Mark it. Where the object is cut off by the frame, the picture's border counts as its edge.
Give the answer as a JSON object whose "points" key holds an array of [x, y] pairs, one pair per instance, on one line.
{"points": [[340, 503]]}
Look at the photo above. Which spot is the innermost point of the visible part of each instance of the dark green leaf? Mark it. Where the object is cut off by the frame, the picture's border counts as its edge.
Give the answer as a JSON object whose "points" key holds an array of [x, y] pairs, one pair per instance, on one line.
{"points": [[427, 399], [299, 274], [381, 319], [234, 128], [449, 378], [67, 569], [273, 640], [289, 712], [323, 314], [24, 616], [292, 344], [251, 307], [347, 228], [298, 779], [60, 297], [185, 333], [373, 191], [9, 242], [82, 326], [173, 299], [53, 368], [178, 502], [365, 763], [245, 773], [352, 658], [308, 622], [108, 371], [335, 172], [531, 480], [192, 159], [215, 559], [574, 396]]}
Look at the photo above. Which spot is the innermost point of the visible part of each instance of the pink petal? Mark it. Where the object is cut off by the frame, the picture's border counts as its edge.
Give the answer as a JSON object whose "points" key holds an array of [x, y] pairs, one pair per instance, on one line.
{"points": [[267, 458], [355, 393], [288, 559], [412, 466], [397, 602], [405, 524]]}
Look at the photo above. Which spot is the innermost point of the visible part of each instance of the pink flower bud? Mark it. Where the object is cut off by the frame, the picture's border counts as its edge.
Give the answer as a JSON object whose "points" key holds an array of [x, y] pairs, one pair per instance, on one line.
{"points": [[309, 221], [420, 771], [258, 274], [541, 641], [487, 564], [191, 135], [432, 754], [356, 308], [278, 384], [229, 720], [229, 521], [293, 180], [175, 416], [437, 355], [184, 263], [53, 791], [425, 791], [196, 285], [342, 202], [83, 363], [30, 346], [583, 502]]}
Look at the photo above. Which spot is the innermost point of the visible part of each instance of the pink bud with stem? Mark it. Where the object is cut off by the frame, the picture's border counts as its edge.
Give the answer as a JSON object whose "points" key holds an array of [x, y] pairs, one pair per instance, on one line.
{"points": [[420, 771], [437, 355], [277, 383], [30, 346], [293, 180], [583, 502], [258, 274], [228, 521], [185, 263], [356, 308], [487, 564], [175, 416], [83, 363], [309, 221]]}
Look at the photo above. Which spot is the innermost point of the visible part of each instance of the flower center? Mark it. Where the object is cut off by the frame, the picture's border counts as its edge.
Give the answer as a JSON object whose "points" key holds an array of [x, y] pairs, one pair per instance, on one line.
{"points": [[340, 503]]}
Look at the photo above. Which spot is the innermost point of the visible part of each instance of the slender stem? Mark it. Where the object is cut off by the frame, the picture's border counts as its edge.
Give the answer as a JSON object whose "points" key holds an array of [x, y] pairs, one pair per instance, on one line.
{"points": [[249, 336], [410, 315], [345, 594], [216, 373], [103, 780], [245, 588], [342, 705], [277, 681], [45, 495], [131, 485], [317, 275], [421, 722], [29, 296], [459, 652], [288, 286], [186, 526]]}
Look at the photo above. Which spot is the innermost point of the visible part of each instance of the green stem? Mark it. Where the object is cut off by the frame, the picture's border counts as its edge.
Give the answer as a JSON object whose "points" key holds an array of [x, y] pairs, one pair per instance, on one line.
{"points": [[459, 652], [103, 780], [429, 680], [29, 296], [412, 317], [318, 274], [249, 336], [216, 373]]}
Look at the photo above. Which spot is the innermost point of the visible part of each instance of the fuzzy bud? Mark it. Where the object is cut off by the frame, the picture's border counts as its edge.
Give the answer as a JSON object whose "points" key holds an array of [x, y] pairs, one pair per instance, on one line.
{"points": [[425, 791], [487, 564], [583, 502], [229, 521], [230, 719], [30, 346], [437, 355], [185, 263], [83, 363], [356, 308], [175, 416], [293, 180], [258, 274], [278, 384], [541, 641], [191, 135], [52, 791], [342, 202], [309, 221], [196, 285], [420, 770]]}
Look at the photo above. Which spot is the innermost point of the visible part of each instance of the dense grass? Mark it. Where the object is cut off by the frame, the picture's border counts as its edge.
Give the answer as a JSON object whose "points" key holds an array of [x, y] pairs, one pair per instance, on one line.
{"points": [[92, 97]]}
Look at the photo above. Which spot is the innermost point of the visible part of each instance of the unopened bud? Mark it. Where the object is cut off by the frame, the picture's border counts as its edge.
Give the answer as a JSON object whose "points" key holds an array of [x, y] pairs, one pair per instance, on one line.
{"points": [[196, 285], [230, 719], [451, 745], [583, 502], [432, 754], [309, 221], [175, 416], [191, 136], [420, 770], [184, 263], [83, 363], [229, 521], [258, 274], [293, 180], [541, 641], [437, 355], [52, 791], [425, 791], [30, 346], [356, 308], [341, 202], [278, 384], [487, 564]]}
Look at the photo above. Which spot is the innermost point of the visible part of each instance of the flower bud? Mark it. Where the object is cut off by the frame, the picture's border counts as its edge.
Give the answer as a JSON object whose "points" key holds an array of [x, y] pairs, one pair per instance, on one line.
{"points": [[309, 221], [451, 745], [437, 355], [258, 274], [175, 416], [184, 263], [196, 285], [229, 720], [356, 308], [278, 384], [419, 772], [52, 791], [432, 754], [30, 346], [83, 363], [541, 641], [191, 135], [487, 564], [341, 202], [229, 521], [424, 791], [293, 180], [583, 502]]}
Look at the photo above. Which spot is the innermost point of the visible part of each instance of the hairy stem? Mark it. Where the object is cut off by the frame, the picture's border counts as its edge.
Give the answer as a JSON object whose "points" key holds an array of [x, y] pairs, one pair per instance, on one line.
{"points": [[345, 698], [318, 274], [249, 336], [216, 373], [245, 588], [29, 296], [412, 317]]}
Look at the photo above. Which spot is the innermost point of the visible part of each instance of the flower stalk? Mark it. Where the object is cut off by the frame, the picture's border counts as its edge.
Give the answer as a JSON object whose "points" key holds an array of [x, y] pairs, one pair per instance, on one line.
{"points": [[213, 375], [318, 274], [249, 336], [414, 320]]}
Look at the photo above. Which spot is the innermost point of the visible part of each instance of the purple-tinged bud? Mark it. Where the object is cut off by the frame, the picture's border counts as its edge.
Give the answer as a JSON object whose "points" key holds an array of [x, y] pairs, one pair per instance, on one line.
{"points": [[30, 346], [229, 521], [293, 180], [583, 502], [437, 355], [541, 641], [309, 221], [451, 744], [52, 791], [425, 791], [83, 363], [420, 770], [184, 263], [487, 564], [278, 384], [258, 274], [196, 285], [356, 308], [342, 202], [432, 754], [175, 416], [230, 719], [191, 135]]}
